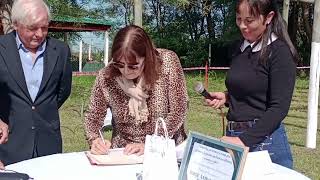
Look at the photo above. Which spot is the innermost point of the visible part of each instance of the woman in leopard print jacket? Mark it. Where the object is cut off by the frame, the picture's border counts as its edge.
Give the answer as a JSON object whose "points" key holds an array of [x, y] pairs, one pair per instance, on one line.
{"points": [[139, 84]]}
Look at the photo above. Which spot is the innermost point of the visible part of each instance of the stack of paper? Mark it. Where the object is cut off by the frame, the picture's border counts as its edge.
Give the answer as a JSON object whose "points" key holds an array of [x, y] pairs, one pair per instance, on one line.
{"points": [[114, 157]]}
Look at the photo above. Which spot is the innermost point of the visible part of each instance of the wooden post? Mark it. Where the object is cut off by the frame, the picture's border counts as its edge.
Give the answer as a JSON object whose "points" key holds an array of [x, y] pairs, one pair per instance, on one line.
{"points": [[65, 37], [209, 55], [138, 12], [80, 56], [206, 83], [106, 48], [89, 52], [314, 79]]}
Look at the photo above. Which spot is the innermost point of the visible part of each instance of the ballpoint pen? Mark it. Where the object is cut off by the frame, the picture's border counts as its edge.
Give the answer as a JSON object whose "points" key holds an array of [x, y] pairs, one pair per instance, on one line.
{"points": [[101, 136]]}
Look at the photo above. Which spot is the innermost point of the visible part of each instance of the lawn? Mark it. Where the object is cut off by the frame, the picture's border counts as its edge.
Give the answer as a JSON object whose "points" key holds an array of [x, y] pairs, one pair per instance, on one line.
{"points": [[200, 118]]}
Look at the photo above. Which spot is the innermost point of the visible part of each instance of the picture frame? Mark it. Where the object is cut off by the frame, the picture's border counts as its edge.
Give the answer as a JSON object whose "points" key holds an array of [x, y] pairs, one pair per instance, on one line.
{"points": [[210, 158]]}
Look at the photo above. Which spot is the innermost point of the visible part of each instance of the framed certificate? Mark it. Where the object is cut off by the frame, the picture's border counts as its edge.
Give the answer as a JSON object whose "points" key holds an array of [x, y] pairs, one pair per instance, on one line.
{"points": [[210, 158]]}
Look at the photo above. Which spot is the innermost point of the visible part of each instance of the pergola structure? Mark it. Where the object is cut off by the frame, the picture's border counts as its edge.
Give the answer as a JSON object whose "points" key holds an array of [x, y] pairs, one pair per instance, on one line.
{"points": [[72, 24]]}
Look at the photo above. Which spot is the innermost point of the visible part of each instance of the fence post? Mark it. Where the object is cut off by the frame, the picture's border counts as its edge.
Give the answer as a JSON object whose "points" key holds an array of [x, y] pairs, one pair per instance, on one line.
{"points": [[314, 79], [206, 83], [80, 56], [138, 12], [106, 48], [285, 10], [89, 51]]}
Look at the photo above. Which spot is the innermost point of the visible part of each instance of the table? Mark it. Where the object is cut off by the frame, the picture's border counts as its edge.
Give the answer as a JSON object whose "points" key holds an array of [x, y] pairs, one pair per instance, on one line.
{"points": [[73, 166], [76, 166]]}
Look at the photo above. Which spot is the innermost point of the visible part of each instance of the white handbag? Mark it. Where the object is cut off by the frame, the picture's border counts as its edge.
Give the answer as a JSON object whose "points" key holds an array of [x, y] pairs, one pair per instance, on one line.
{"points": [[160, 161]]}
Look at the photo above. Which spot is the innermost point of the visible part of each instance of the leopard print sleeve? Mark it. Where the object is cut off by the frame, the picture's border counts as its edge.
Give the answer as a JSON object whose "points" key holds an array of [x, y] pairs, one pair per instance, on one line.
{"points": [[97, 108], [177, 93]]}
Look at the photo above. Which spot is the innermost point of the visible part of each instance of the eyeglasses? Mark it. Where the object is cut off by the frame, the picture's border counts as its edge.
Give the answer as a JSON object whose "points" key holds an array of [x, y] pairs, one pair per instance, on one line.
{"points": [[132, 67]]}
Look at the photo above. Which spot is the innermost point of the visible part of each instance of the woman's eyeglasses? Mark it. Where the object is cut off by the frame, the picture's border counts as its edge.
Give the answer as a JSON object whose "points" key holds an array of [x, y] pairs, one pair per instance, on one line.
{"points": [[132, 67]]}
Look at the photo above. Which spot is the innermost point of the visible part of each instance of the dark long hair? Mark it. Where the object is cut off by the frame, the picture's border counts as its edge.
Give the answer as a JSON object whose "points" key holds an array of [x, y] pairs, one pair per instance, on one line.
{"points": [[276, 26], [132, 42]]}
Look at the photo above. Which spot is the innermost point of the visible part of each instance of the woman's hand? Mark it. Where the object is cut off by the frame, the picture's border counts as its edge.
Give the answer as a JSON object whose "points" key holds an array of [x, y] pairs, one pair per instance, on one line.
{"points": [[233, 140], [218, 99], [4, 132], [100, 147], [135, 148]]}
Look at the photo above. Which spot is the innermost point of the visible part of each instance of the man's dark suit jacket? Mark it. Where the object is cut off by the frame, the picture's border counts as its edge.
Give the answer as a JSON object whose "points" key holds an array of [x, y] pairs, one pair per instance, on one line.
{"points": [[32, 124]]}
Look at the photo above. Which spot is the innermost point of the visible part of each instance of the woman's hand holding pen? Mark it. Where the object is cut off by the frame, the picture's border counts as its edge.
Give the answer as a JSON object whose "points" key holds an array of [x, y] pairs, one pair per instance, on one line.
{"points": [[100, 146]]}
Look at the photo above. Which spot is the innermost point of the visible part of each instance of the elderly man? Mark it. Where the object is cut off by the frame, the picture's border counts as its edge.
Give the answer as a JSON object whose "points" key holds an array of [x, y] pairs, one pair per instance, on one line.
{"points": [[35, 80]]}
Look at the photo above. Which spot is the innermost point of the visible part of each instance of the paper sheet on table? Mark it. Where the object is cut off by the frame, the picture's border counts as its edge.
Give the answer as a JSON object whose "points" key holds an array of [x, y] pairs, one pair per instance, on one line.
{"points": [[258, 164], [180, 150], [114, 157]]}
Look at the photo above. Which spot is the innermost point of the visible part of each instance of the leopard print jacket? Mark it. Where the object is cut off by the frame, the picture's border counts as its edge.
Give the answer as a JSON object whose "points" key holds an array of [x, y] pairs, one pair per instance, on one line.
{"points": [[167, 98]]}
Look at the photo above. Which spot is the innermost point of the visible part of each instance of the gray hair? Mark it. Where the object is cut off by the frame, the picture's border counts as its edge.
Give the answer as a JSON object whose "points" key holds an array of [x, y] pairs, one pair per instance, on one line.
{"points": [[22, 10]]}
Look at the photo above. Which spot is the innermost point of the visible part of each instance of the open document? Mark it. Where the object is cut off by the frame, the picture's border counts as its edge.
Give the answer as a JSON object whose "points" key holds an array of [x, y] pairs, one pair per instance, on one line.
{"points": [[114, 157]]}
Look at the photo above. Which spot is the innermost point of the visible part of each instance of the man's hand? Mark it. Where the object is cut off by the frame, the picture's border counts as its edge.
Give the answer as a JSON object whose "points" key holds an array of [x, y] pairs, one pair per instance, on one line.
{"points": [[4, 132], [1, 166]]}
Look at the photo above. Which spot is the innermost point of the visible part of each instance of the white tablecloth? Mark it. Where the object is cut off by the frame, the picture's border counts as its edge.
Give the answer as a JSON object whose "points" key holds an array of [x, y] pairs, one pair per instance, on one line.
{"points": [[76, 166]]}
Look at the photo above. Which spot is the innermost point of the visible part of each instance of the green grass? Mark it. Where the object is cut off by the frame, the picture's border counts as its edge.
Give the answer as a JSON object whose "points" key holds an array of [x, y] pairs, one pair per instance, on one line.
{"points": [[200, 118]]}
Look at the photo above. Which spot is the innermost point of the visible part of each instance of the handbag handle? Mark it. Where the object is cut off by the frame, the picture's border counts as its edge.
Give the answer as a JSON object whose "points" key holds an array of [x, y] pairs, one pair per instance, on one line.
{"points": [[164, 127]]}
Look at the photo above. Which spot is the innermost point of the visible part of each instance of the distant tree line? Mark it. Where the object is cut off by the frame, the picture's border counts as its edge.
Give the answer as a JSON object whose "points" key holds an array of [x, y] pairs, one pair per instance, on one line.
{"points": [[185, 26]]}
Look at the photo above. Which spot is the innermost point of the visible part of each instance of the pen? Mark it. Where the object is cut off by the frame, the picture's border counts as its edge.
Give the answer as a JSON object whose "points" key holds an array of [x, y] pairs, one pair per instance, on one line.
{"points": [[101, 136]]}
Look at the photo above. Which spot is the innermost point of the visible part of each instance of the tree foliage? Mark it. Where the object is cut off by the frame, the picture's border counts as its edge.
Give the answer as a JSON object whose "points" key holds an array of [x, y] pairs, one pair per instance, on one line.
{"points": [[300, 29], [5, 14], [189, 29], [185, 26]]}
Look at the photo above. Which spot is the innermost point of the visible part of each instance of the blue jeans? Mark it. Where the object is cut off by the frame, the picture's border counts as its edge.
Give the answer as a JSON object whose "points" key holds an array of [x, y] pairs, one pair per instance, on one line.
{"points": [[277, 145]]}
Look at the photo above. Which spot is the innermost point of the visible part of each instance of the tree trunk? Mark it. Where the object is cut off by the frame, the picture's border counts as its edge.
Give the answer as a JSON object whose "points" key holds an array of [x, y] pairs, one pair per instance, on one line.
{"points": [[6, 20], [207, 12], [293, 23], [210, 27], [305, 16]]}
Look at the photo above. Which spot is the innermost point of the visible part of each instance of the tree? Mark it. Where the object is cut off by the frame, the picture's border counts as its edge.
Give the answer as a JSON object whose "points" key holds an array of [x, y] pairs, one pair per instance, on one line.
{"points": [[300, 29], [57, 7], [5, 14]]}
